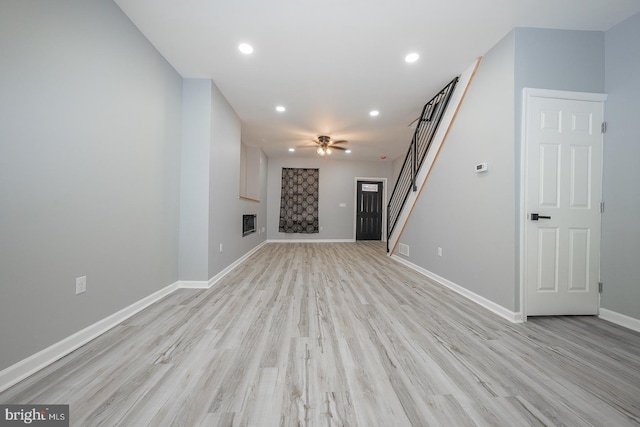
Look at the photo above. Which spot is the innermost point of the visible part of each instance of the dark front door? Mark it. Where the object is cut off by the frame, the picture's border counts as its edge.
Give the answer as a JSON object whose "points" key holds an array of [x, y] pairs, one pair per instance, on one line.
{"points": [[369, 211]]}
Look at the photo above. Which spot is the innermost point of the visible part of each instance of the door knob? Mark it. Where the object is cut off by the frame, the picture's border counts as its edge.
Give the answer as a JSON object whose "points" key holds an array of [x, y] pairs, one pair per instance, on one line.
{"points": [[535, 217]]}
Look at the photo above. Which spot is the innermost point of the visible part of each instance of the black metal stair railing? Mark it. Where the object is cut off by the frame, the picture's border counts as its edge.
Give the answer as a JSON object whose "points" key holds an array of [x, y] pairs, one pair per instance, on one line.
{"points": [[426, 128]]}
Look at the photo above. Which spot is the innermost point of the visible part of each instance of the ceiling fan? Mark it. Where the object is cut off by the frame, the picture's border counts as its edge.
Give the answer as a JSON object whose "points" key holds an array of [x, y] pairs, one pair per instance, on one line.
{"points": [[326, 145]]}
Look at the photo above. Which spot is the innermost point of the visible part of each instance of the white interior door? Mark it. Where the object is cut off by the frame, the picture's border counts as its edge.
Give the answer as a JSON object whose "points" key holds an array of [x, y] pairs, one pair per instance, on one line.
{"points": [[563, 149]]}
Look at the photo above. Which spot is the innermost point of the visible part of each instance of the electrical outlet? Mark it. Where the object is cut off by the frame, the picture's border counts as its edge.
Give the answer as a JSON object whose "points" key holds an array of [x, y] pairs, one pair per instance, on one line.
{"points": [[439, 251], [81, 285]]}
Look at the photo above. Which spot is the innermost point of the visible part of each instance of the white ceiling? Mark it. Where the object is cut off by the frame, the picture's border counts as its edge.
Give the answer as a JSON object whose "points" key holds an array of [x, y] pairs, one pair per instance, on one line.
{"points": [[330, 62]]}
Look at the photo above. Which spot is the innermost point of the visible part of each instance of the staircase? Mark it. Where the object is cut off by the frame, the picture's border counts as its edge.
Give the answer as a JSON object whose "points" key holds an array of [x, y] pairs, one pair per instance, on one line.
{"points": [[432, 128]]}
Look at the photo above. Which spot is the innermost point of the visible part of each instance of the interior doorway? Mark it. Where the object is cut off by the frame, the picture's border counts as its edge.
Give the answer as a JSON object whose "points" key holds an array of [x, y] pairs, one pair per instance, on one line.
{"points": [[562, 176], [370, 195]]}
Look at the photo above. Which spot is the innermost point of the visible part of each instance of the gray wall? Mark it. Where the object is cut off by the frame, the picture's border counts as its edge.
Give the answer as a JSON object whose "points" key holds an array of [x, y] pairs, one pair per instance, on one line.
{"points": [[225, 206], [557, 59], [620, 227], [211, 208], [470, 215], [553, 59], [89, 169], [194, 182], [396, 168], [337, 185], [475, 217]]}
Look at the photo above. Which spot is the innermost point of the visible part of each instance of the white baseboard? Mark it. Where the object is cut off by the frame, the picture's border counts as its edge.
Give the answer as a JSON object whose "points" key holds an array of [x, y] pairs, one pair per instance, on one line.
{"points": [[233, 265], [193, 284], [206, 284], [478, 299], [26, 367], [32, 364], [311, 241], [620, 319]]}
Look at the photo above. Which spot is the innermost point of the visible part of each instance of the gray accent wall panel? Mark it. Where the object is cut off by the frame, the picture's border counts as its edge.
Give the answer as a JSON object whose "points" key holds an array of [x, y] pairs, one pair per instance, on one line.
{"points": [[559, 60], [620, 226], [90, 124], [194, 183]]}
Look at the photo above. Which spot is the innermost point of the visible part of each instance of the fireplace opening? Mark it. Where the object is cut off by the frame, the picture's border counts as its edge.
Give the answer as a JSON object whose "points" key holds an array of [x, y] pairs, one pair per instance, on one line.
{"points": [[248, 224]]}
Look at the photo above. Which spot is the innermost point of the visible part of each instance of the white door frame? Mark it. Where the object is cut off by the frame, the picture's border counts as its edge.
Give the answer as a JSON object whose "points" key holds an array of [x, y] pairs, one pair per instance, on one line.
{"points": [[528, 93], [384, 205]]}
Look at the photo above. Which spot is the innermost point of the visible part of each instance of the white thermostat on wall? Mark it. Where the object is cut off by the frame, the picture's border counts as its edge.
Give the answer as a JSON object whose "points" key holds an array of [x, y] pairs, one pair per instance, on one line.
{"points": [[481, 167]]}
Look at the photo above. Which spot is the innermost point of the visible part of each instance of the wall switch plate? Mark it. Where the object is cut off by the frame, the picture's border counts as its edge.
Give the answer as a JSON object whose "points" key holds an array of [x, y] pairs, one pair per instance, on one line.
{"points": [[220, 247], [439, 251], [81, 285]]}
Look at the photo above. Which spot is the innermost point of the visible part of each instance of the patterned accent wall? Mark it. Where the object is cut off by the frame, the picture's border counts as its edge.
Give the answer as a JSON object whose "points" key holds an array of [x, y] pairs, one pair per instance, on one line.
{"points": [[299, 200]]}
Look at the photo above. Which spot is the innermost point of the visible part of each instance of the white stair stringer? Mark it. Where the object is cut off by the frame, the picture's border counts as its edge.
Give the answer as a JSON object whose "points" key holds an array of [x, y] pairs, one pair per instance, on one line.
{"points": [[438, 140]]}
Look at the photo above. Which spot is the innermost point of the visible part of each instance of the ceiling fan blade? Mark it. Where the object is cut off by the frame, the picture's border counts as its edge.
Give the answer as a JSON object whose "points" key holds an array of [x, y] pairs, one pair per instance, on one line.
{"points": [[342, 141], [338, 148]]}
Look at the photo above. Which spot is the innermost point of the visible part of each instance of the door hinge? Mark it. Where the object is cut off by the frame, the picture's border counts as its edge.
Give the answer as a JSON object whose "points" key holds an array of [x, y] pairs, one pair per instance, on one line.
{"points": [[603, 127], [601, 207], [600, 287]]}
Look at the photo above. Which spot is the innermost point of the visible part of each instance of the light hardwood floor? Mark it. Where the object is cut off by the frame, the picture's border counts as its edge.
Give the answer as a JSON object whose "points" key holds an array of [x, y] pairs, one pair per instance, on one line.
{"points": [[339, 334]]}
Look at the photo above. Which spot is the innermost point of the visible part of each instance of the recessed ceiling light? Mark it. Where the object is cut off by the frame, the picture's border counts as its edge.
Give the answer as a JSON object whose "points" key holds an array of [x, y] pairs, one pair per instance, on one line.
{"points": [[245, 48], [412, 57], [292, 149], [374, 113], [347, 151], [280, 109]]}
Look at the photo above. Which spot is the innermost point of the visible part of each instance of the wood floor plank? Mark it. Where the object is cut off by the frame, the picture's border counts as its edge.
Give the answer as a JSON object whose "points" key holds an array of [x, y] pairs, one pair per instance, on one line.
{"points": [[339, 334]]}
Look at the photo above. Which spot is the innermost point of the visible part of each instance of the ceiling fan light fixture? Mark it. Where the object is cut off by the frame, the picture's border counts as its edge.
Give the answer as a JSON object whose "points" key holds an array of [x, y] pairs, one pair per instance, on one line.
{"points": [[281, 109], [291, 150], [326, 145], [347, 151], [374, 113]]}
